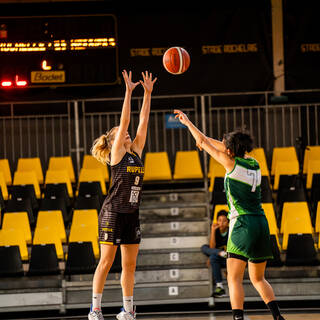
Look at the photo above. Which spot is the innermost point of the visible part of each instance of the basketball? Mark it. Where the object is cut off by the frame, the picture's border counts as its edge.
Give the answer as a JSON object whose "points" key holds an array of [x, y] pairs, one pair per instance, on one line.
{"points": [[176, 60]]}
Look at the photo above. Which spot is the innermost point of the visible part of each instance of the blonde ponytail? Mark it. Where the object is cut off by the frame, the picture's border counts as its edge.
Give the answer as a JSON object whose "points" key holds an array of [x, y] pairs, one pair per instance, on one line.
{"points": [[101, 147]]}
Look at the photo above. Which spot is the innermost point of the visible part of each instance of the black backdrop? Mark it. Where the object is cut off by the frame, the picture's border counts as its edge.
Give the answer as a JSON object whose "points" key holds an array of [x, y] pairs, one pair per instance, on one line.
{"points": [[302, 45]]}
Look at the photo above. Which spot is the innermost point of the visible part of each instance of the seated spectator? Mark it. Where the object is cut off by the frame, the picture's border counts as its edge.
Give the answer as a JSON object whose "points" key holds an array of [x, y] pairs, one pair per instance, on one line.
{"points": [[216, 250]]}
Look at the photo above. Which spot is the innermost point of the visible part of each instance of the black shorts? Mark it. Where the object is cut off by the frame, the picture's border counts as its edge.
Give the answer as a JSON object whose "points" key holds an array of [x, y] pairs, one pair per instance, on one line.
{"points": [[119, 228]]}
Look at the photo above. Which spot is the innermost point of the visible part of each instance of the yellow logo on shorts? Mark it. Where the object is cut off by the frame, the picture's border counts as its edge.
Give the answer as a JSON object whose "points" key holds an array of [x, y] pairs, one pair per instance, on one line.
{"points": [[105, 237]]}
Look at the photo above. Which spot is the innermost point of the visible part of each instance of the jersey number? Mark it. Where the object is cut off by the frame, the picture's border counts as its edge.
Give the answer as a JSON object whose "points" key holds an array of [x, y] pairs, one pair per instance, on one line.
{"points": [[136, 181], [254, 176]]}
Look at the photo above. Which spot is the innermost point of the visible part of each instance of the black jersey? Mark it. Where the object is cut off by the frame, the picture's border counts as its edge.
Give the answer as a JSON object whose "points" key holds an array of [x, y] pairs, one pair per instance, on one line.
{"points": [[126, 184]]}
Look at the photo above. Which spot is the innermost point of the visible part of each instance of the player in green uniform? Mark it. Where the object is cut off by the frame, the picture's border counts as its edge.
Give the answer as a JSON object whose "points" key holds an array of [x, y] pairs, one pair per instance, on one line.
{"points": [[249, 238]]}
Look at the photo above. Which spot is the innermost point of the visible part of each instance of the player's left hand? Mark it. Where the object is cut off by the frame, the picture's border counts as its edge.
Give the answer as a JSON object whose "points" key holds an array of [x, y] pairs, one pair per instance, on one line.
{"points": [[147, 82], [181, 116]]}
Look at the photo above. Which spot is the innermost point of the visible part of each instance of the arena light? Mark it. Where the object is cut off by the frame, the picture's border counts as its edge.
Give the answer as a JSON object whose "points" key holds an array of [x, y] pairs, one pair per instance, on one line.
{"points": [[6, 83], [20, 83]]}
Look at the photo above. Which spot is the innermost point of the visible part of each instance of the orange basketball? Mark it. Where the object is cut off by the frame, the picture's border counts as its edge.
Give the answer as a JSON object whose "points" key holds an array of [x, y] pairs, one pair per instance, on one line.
{"points": [[176, 60]]}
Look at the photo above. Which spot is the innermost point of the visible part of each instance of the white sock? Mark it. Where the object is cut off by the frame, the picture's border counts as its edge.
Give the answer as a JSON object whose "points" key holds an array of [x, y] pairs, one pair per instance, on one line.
{"points": [[128, 304], [219, 285], [96, 301]]}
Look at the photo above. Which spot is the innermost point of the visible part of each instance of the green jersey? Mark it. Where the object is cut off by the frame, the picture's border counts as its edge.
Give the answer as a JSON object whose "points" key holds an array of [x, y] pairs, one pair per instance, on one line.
{"points": [[243, 188]]}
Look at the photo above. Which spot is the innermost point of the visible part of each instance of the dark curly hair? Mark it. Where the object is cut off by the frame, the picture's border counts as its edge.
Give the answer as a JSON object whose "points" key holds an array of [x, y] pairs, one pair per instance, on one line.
{"points": [[238, 142]]}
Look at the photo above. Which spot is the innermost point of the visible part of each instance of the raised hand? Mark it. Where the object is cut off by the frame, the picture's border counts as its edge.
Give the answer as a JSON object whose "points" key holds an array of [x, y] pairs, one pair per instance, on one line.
{"points": [[181, 116], [127, 79], [147, 82]]}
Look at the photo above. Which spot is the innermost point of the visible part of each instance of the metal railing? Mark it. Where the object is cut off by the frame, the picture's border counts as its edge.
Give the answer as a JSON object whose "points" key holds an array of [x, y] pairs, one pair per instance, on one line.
{"points": [[72, 129]]}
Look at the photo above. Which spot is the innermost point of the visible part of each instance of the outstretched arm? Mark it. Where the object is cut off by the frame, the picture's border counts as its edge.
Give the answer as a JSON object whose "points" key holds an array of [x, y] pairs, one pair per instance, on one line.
{"points": [[118, 150], [203, 142], [140, 139]]}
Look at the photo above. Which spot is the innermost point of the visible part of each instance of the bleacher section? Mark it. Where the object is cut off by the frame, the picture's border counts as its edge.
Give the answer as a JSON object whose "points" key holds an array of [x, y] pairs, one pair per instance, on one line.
{"points": [[49, 229]]}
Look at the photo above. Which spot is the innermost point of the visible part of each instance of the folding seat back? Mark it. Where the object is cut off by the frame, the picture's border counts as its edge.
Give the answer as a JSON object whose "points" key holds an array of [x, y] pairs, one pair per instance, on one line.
{"points": [[24, 205], [187, 165], [44, 260], [11, 264], [216, 169], [23, 192], [276, 261], [57, 191], [317, 220], [90, 162], [89, 189], [47, 235], [266, 192], [260, 156], [157, 166], [58, 177], [90, 175], [311, 153], [5, 169], [31, 164], [80, 259], [10, 237], [53, 220], [284, 168], [284, 154], [18, 221], [62, 163], [271, 217], [3, 186], [313, 167], [27, 178], [87, 202], [295, 219], [85, 234], [301, 250], [85, 218], [57, 204]]}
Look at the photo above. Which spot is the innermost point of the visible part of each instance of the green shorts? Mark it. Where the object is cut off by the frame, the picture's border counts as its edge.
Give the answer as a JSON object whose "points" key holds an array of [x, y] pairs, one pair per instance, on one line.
{"points": [[249, 237]]}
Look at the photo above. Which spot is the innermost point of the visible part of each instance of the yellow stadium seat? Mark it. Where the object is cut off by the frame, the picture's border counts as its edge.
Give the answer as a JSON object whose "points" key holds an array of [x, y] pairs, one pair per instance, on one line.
{"points": [[217, 208], [31, 164], [284, 168], [311, 153], [295, 219], [271, 217], [272, 221], [187, 165], [85, 218], [48, 235], [157, 166], [317, 223], [90, 175], [313, 167], [62, 163], [3, 187], [287, 154], [27, 177], [215, 170], [59, 176], [260, 156], [18, 221], [90, 162], [10, 237], [85, 233], [53, 220], [5, 169]]}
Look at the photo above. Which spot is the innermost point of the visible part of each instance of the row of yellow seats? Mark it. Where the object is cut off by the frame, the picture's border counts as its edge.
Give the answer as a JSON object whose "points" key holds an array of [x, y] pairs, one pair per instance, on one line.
{"points": [[60, 170], [295, 219], [49, 229]]}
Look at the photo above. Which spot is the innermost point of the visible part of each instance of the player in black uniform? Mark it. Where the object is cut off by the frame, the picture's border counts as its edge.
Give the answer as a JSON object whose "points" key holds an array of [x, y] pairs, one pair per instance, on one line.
{"points": [[119, 215]]}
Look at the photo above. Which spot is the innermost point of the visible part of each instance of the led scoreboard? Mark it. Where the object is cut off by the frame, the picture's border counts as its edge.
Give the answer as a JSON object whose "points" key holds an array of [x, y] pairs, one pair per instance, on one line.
{"points": [[58, 51]]}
